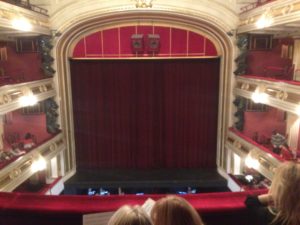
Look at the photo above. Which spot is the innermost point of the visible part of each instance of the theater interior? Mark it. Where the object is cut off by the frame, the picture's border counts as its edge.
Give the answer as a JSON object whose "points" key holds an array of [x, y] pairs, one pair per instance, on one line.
{"points": [[106, 103]]}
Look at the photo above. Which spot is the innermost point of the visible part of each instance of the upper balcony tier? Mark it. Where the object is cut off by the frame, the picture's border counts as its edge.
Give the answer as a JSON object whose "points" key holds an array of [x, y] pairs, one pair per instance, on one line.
{"points": [[280, 18], [9, 14], [27, 5]]}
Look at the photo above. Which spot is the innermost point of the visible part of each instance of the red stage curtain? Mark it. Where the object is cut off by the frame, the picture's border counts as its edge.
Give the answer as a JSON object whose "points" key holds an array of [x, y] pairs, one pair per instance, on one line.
{"points": [[145, 113]]}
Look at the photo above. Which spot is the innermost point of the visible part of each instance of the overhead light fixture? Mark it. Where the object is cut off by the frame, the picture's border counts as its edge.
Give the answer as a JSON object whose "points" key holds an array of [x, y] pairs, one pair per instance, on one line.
{"points": [[28, 100], [258, 97], [21, 24], [251, 162], [143, 3]]}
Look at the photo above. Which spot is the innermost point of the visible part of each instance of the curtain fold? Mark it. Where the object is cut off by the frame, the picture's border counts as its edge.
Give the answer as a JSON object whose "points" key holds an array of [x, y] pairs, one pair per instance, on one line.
{"points": [[145, 113]]}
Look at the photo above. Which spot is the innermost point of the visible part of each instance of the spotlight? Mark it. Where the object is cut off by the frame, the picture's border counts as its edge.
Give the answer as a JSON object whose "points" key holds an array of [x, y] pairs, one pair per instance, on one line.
{"points": [[21, 24]]}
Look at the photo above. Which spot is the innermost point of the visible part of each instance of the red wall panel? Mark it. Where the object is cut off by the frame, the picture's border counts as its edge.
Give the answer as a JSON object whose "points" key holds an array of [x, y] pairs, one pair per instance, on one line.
{"points": [[196, 44], [22, 124], [125, 36], [264, 122], [94, 44], [111, 42], [210, 49], [178, 42], [79, 50], [165, 37]]}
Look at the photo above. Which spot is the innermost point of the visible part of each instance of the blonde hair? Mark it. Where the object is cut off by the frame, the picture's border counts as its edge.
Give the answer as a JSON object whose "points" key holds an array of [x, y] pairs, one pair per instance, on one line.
{"points": [[130, 215], [285, 192], [173, 210]]}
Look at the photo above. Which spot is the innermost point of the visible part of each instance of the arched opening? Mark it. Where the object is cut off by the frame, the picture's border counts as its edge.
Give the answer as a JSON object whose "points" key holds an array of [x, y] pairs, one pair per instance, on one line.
{"points": [[68, 40]]}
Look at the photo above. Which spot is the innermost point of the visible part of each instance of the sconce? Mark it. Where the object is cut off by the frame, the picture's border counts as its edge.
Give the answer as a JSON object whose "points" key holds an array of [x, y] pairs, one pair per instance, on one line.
{"points": [[259, 96], [28, 99], [38, 164], [21, 24], [265, 20], [251, 161]]}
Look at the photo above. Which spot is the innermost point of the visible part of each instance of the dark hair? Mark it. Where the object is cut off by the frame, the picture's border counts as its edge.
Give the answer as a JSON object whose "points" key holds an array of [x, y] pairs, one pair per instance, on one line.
{"points": [[28, 135]]}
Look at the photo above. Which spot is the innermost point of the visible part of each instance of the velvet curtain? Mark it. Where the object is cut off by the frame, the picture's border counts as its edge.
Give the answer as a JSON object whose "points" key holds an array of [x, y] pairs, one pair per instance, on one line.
{"points": [[145, 113]]}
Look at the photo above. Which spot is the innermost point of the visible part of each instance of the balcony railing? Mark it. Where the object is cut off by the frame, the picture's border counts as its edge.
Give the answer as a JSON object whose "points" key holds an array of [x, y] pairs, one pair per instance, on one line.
{"points": [[26, 4], [282, 95], [10, 94], [254, 5]]}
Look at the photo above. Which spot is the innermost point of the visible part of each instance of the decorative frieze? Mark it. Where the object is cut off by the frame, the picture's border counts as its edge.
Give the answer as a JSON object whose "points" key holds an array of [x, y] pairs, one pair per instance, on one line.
{"points": [[20, 170]]}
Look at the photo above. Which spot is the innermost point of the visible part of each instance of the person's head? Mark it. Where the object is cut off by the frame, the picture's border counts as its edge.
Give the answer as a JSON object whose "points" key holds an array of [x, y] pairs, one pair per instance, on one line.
{"points": [[173, 210], [130, 215], [285, 191], [27, 136]]}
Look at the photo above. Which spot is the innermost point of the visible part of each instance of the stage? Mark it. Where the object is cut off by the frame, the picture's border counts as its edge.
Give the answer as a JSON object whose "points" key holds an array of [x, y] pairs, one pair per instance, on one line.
{"points": [[146, 181]]}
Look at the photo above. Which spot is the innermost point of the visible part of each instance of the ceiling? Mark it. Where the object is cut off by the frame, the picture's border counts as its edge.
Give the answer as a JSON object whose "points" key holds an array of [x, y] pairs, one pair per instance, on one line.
{"points": [[288, 29]]}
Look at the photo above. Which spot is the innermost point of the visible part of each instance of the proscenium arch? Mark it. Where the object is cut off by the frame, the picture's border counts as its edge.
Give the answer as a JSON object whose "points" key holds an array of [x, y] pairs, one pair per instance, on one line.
{"points": [[69, 38]]}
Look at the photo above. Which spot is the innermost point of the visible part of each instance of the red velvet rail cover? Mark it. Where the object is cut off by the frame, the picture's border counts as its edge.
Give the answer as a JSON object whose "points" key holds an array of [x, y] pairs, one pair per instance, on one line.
{"points": [[204, 203]]}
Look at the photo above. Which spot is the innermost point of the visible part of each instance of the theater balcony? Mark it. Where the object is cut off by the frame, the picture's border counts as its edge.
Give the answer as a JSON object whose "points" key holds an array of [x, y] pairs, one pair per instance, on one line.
{"points": [[25, 48], [266, 87], [281, 17], [265, 107], [24, 167], [34, 16], [29, 133], [268, 41], [266, 126], [243, 147]]}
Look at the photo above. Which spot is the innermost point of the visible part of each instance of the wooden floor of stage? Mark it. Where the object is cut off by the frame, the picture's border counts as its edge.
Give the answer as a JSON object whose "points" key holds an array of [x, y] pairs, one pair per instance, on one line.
{"points": [[204, 180]]}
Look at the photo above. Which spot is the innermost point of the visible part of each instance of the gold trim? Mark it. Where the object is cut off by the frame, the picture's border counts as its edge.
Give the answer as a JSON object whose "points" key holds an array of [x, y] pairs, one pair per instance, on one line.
{"points": [[149, 58]]}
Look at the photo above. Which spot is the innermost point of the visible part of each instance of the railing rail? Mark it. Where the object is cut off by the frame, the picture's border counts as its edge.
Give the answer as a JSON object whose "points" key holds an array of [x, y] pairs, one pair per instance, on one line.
{"points": [[254, 5], [26, 4]]}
